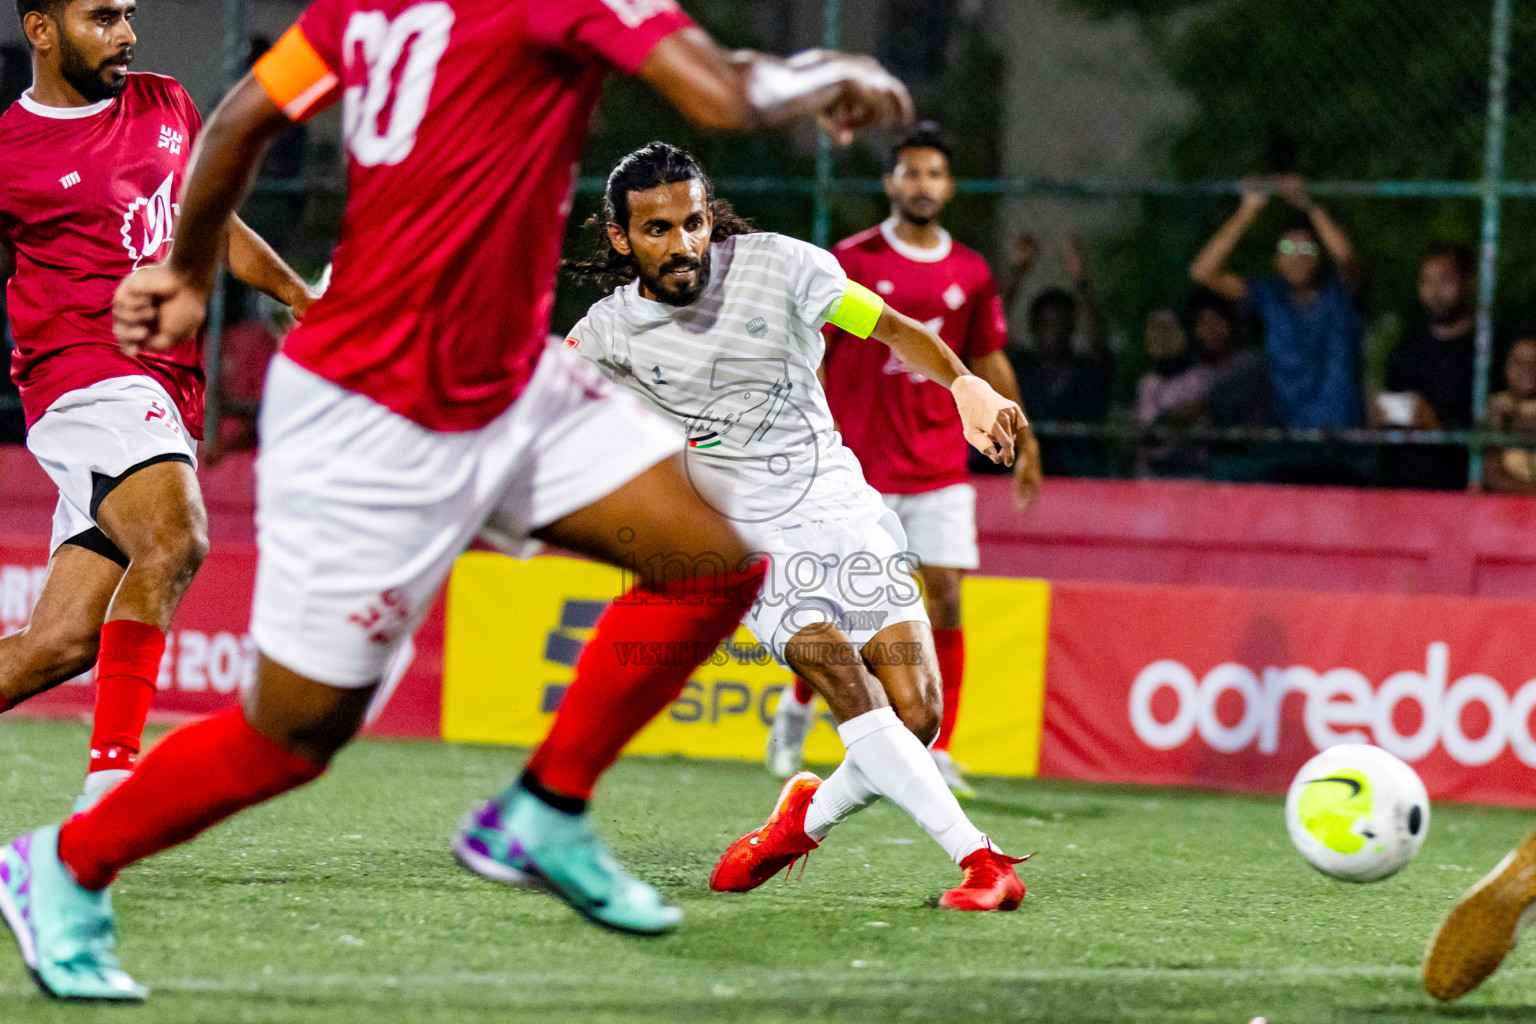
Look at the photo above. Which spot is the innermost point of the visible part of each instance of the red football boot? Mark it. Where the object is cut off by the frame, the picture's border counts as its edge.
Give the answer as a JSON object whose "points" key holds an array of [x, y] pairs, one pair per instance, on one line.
{"points": [[990, 883], [764, 852]]}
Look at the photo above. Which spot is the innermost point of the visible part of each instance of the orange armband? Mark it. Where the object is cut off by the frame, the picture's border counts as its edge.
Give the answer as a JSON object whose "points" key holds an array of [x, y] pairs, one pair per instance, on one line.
{"points": [[296, 77]]}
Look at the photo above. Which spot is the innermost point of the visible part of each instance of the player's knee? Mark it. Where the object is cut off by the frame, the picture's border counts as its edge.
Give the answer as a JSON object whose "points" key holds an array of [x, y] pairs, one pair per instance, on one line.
{"points": [[922, 718], [316, 735], [176, 552]]}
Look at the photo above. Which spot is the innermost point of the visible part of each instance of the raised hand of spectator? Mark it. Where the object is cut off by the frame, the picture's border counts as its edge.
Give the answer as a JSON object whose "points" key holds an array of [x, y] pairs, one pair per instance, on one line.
{"points": [[1293, 189], [1255, 195], [1023, 254], [1074, 260]]}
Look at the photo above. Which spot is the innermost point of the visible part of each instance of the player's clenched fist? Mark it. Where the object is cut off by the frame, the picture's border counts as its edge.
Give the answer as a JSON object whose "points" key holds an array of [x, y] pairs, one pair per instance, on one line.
{"points": [[991, 421], [156, 309]]}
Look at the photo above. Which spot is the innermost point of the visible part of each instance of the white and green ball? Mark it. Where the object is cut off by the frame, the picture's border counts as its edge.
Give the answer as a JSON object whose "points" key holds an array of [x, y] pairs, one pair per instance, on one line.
{"points": [[1357, 813]]}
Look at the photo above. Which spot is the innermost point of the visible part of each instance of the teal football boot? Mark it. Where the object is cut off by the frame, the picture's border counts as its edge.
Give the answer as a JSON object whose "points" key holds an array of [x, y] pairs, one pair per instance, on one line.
{"points": [[65, 931], [518, 839]]}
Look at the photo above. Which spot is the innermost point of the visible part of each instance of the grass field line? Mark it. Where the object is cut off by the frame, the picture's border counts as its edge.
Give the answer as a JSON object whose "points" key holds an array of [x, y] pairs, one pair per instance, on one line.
{"points": [[768, 979]]}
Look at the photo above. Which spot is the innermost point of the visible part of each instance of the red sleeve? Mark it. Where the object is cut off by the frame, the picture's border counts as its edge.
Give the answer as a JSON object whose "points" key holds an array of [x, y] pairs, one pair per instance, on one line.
{"points": [[189, 112], [621, 33], [988, 331]]}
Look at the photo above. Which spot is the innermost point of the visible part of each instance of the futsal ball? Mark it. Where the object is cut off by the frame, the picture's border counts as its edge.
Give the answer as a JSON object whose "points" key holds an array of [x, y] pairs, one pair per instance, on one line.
{"points": [[1357, 813]]}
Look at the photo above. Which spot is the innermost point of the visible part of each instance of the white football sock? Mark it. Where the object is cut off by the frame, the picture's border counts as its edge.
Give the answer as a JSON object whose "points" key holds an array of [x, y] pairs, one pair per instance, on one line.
{"points": [[895, 762], [844, 793]]}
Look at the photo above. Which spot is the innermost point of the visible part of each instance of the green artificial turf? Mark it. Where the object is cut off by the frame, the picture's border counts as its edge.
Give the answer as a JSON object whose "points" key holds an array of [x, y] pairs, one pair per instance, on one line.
{"points": [[340, 904]]}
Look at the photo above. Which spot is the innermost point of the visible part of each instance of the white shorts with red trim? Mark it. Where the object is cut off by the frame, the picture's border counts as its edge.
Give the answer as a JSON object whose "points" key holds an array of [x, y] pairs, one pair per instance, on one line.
{"points": [[94, 437], [940, 525], [362, 512]]}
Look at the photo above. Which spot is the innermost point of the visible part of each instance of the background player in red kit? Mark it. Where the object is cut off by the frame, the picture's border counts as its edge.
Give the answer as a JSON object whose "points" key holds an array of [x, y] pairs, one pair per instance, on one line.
{"points": [[91, 163], [903, 428], [417, 406]]}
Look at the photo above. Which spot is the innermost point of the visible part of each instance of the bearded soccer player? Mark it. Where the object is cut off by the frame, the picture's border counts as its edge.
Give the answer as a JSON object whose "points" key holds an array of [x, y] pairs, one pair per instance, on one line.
{"points": [[418, 406], [92, 159], [903, 427], [718, 329]]}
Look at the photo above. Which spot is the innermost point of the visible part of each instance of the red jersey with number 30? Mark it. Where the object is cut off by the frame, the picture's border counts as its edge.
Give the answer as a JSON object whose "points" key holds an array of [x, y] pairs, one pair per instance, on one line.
{"points": [[462, 121], [87, 196], [905, 428]]}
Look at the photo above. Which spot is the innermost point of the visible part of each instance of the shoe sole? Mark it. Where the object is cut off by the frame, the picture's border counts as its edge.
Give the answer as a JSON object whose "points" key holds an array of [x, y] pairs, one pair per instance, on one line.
{"points": [[1483, 927], [489, 868], [1003, 907], [495, 871]]}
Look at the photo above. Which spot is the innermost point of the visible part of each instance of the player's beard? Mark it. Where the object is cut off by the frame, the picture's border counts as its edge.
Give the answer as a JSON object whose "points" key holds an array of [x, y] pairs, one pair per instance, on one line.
{"points": [[920, 213], [88, 77], [678, 296]]}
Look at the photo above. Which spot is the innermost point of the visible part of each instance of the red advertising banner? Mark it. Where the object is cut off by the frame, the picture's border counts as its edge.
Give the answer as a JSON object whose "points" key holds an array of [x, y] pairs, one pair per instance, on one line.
{"points": [[1236, 689], [209, 656]]}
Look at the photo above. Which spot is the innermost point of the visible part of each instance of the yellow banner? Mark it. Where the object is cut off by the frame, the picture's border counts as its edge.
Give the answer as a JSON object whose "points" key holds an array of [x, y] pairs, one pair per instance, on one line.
{"points": [[516, 628]]}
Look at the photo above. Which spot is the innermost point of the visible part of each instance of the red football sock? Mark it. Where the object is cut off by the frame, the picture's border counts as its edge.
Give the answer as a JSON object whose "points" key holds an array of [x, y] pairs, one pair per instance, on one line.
{"points": [[949, 644], [803, 692], [196, 777], [621, 684], [126, 671]]}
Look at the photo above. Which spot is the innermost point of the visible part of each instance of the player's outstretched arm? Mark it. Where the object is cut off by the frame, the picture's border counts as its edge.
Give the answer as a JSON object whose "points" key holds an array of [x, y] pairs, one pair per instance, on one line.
{"points": [[992, 423], [159, 307], [746, 90], [253, 261]]}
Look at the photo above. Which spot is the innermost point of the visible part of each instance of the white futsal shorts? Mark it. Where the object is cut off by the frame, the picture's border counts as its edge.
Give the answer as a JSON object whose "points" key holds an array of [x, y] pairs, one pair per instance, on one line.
{"points": [[940, 525], [854, 572], [94, 438], [361, 512]]}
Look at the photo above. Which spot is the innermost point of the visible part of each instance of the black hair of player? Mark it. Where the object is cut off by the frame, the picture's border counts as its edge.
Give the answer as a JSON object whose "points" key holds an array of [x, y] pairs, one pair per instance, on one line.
{"points": [[1461, 257], [650, 166], [924, 135], [1057, 298], [52, 8]]}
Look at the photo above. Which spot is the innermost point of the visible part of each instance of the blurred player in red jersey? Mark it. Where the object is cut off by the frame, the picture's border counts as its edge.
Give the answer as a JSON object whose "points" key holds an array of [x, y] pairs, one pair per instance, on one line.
{"points": [[417, 406], [91, 161], [902, 427]]}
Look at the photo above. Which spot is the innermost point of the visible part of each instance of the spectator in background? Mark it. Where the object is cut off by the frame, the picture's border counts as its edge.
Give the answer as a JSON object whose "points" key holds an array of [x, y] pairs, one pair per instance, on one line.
{"points": [[1429, 376], [1240, 390], [1175, 392], [1513, 470], [1312, 328], [1058, 384]]}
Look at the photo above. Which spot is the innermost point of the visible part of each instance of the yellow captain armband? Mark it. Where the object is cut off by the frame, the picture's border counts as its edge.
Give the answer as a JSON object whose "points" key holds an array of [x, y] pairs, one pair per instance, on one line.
{"points": [[857, 311]]}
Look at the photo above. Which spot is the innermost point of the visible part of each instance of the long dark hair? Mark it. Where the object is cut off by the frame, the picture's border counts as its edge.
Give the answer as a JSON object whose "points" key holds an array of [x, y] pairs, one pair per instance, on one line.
{"points": [[651, 166]]}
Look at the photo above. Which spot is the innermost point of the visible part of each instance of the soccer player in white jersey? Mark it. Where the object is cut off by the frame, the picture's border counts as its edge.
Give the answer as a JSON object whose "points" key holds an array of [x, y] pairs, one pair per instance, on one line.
{"points": [[719, 328]]}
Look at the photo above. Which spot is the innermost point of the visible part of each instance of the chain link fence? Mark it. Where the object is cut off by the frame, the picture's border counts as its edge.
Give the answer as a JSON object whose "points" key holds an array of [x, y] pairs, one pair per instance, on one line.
{"points": [[1132, 124]]}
